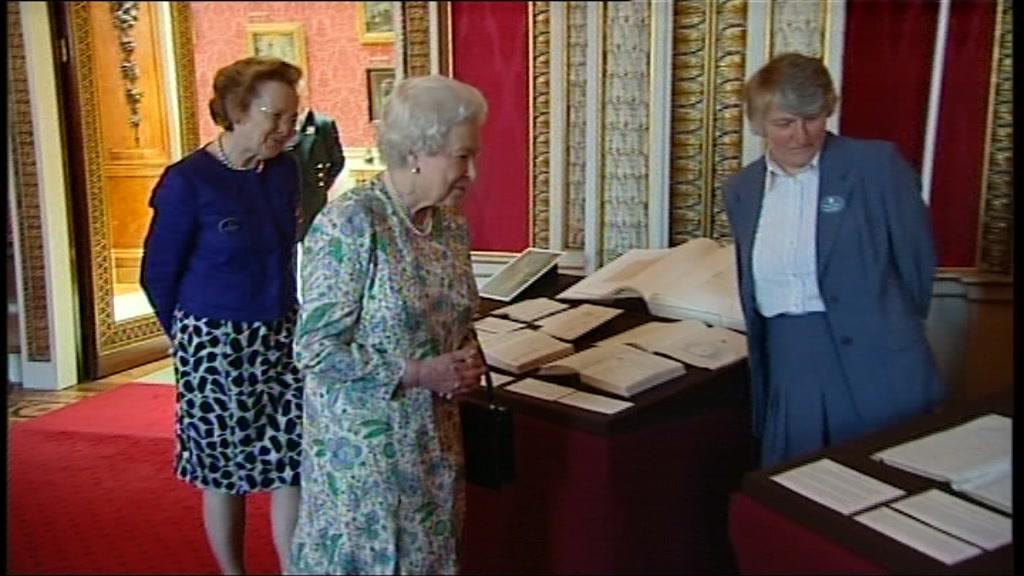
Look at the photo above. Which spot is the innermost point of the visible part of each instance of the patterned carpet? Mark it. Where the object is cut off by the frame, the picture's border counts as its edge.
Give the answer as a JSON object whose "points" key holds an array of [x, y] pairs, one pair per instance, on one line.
{"points": [[24, 404]]}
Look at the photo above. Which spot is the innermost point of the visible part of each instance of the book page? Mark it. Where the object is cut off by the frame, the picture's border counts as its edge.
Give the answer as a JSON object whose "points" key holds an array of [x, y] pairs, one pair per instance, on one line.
{"points": [[970, 450], [616, 278], [575, 322], [594, 402], [627, 371], [960, 518], [839, 487], [523, 350], [683, 266], [703, 346], [640, 335], [709, 294], [540, 389], [575, 363], [918, 536], [497, 325], [530, 310]]}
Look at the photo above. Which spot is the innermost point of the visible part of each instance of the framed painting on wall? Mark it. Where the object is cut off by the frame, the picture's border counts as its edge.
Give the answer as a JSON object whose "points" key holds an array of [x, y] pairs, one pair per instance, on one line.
{"points": [[284, 40], [376, 21], [379, 83]]}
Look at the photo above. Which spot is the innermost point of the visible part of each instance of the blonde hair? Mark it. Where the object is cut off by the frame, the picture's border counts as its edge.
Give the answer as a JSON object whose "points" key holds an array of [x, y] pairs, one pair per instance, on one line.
{"points": [[421, 112], [792, 82]]}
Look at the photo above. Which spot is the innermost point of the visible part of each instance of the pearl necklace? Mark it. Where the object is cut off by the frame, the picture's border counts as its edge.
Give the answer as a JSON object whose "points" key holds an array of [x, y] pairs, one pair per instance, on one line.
{"points": [[223, 157]]}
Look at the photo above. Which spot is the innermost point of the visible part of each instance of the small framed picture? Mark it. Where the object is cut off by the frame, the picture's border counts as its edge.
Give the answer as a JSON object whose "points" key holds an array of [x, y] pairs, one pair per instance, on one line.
{"points": [[284, 40], [379, 83], [517, 275], [376, 21]]}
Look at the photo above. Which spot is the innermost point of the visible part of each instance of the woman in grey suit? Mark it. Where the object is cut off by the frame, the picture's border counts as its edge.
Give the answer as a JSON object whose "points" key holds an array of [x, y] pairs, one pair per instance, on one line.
{"points": [[835, 259]]}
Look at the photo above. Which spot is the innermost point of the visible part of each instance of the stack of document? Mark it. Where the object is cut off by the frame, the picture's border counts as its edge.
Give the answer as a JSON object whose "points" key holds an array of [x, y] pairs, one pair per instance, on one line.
{"points": [[575, 322], [975, 458], [530, 310]]}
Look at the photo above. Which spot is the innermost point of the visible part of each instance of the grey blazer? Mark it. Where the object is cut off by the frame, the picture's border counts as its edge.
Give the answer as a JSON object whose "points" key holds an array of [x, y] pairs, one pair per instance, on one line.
{"points": [[876, 261]]}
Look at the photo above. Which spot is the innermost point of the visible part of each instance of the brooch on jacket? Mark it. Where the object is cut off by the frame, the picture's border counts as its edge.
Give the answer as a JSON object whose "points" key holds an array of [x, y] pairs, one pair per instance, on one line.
{"points": [[230, 224]]}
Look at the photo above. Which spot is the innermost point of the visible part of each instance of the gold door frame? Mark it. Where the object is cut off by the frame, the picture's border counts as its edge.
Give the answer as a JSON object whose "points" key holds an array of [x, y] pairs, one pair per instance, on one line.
{"points": [[114, 345]]}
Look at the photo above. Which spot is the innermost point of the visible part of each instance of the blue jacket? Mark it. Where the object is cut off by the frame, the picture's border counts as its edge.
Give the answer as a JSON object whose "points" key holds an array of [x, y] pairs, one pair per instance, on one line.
{"points": [[221, 242], [875, 261]]}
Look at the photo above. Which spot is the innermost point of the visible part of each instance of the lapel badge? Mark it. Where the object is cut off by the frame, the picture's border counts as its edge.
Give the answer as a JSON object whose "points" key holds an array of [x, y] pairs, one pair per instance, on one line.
{"points": [[310, 130], [229, 225], [832, 204]]}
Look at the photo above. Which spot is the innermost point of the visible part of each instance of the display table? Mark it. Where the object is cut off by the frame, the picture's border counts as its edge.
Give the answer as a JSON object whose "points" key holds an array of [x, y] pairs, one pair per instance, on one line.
{"points": [[776, 530], [641, 491]]}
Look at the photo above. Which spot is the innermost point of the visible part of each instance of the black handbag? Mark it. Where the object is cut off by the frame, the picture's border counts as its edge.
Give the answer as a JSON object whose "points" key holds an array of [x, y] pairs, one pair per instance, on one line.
{"points": [[488, 439]]}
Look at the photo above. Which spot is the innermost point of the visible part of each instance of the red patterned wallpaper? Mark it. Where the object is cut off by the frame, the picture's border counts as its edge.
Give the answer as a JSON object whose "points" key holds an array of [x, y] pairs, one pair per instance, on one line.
{"points": [[336, 59]]}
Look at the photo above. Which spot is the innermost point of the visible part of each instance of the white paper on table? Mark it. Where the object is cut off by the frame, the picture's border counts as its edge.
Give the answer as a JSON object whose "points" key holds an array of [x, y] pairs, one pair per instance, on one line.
{"points": [[530, 310], [575, 322], [971, 450], [996, 490], [917, 535], [497, 325], [839, 487], [496, 379], [958, 517], [540, 389], [594, 402]]}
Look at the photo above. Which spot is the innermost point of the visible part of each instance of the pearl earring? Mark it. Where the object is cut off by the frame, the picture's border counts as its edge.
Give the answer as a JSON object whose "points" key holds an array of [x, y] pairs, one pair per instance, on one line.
{"points": [[415, 170]]}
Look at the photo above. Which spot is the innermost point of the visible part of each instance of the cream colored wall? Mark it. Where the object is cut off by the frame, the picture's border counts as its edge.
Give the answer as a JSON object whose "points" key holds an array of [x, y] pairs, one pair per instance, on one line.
{"points": [[62, 370]]}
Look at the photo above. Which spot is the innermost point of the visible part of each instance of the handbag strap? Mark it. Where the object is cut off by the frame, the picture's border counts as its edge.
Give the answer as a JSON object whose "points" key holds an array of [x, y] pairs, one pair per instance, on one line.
{"points": [[487, 369]]}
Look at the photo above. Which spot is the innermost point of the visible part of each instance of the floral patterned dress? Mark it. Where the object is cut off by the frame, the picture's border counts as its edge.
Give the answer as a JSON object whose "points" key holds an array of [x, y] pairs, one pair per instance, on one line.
{"points": [[382, 469]]}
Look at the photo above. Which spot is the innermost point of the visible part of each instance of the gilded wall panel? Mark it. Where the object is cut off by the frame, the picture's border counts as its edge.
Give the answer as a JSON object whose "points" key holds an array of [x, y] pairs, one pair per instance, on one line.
{"points": [[997, 209], [798, 26], [625, 93], [35, 311], [727, 112], [576, 144], [417, 38], [541, 119]]}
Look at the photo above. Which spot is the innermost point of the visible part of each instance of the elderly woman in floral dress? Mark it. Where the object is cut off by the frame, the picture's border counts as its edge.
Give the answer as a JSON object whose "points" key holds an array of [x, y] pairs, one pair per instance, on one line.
{"points": [[384, 341]]}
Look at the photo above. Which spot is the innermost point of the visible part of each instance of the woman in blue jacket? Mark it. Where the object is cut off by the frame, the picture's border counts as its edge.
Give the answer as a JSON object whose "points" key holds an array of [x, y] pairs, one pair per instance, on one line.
{"points": [[218, 270], [835, 259]]}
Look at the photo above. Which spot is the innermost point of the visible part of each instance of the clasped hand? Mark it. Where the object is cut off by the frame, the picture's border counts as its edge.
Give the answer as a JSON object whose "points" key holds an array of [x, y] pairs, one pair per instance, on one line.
{"points": [[449, 374]]}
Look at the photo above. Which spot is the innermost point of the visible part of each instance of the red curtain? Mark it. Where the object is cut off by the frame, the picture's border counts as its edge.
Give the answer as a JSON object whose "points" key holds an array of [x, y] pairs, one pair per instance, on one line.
{"points": [[490, 51], [887, 65], [960, 139]]}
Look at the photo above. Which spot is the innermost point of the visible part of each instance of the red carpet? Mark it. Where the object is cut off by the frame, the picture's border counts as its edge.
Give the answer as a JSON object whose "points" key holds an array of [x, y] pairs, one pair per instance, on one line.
{"points": [[91, 490]]}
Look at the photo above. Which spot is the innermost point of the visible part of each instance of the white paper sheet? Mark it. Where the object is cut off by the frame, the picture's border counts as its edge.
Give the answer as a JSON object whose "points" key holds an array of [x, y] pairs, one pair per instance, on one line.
{"points": [[530, 310], [594, 402], [972, 450], [996, 490], [839, 487], [958, 517], [540, 389], [917, 535]]}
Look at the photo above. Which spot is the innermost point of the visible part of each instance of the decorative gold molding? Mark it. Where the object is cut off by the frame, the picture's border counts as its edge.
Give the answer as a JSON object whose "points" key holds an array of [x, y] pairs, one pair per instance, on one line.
{"points": [[417, 38], [184, 60], [540, 125], [730, 34], [125, 16], [708, 57], [111, 335], [996, 227], [35, 311]]}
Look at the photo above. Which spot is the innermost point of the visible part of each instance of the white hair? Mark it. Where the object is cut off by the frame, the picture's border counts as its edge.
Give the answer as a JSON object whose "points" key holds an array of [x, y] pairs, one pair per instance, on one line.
{"points": [[421, 112]]}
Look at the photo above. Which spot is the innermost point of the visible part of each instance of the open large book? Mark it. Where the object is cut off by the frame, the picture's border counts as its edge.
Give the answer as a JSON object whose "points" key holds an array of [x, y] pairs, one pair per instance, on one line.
{"points": [[622, 370], [522, 350], [695, 280], [688, 341]]}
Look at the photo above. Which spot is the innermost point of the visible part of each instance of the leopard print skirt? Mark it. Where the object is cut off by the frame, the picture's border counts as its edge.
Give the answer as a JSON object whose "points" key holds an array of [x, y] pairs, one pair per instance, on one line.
{"points": [[239, 404]]}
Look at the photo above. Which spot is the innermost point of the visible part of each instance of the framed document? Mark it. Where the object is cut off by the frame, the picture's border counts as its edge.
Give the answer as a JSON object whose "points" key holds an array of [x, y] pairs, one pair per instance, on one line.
{"points": [[514, 277]]}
